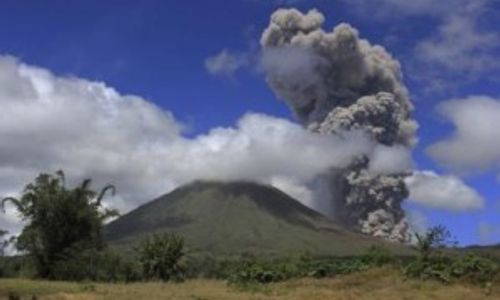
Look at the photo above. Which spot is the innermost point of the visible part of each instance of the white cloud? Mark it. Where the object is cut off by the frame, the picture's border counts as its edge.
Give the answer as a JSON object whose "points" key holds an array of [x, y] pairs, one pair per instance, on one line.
{"points": [[92, 131], [475, 143], [294, 188], [442, 192], [390, 160], [459, 45], [9, 220], [226, 63]]}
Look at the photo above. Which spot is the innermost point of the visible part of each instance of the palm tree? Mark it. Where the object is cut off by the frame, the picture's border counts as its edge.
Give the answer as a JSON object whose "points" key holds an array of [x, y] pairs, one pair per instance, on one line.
{"points": [[59, 219]]}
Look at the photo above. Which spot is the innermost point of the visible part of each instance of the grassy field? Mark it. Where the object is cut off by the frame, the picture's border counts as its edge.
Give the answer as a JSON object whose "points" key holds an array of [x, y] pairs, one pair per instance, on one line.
{"points": [[383, 283]]}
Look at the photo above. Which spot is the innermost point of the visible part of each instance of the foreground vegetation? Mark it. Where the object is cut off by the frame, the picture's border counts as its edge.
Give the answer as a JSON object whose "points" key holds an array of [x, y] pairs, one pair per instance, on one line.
{"points": [[378, 283]]}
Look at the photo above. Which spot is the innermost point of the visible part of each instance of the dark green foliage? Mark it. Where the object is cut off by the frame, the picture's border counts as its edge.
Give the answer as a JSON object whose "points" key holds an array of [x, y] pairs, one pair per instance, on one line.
{"points": [[161, 257], [95, 265], [474, 268], [430, 267], [447, 268], [378, 256], [434, 263], [3, 242], [261, 272], [59, 221], [16, 266]]}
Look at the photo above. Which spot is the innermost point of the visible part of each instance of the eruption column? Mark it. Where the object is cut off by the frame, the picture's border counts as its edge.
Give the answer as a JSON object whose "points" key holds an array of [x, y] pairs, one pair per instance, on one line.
{"points": [[336, 82]]}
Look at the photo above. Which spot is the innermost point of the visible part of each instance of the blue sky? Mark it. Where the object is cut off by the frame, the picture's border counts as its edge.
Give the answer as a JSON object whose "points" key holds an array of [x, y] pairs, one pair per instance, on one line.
{"points": [[158, 51]]}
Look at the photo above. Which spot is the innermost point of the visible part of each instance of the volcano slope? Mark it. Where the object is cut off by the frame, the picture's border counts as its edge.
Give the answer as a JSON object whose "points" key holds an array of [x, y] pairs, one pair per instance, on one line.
{"points": [[235, 218]]}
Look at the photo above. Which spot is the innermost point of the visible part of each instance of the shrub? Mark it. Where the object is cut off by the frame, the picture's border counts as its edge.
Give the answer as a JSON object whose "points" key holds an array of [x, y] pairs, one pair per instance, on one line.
{"points": [[262, 272], [474, 268], [432, 263], [378, 256], [161, 257], [90, 264]]}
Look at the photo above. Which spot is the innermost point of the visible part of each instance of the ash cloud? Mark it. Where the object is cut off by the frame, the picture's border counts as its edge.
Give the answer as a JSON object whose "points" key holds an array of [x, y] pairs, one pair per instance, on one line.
{"points": [[335, 82]]}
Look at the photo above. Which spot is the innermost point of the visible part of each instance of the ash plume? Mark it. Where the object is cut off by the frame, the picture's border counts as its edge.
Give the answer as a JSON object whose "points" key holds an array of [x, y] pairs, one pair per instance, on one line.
{"points": [[335, 82]]}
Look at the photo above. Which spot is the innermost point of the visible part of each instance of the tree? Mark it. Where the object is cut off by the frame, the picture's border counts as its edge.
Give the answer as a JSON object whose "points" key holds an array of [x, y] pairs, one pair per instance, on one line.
{"points": [[160, 257], [60, 222], [434, 238], [3, 242], [432, 263]]}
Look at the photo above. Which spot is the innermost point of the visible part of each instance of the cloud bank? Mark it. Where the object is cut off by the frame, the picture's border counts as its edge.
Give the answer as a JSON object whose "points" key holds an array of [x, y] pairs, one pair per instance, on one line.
{"points": [[443, 192], [90, 130]]}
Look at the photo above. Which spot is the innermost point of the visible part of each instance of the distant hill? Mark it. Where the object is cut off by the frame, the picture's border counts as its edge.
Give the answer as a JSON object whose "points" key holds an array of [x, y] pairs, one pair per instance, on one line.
{"points": [[239, 217], [492, 251]]}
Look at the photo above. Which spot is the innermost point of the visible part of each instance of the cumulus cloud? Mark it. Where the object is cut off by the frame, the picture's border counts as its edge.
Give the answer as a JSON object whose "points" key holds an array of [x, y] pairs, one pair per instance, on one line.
{"points": [[442, 192], [474, 145], [460, 45], [90, 130], [226, 63]]}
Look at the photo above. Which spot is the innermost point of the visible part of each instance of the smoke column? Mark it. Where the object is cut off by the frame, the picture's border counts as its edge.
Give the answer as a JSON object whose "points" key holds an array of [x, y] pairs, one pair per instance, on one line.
{"points": [[336, 82]]}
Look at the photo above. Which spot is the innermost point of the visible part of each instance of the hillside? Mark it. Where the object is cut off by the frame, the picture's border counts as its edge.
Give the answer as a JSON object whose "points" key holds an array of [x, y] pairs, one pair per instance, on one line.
{"points": [[492, 251], [239, 217]]}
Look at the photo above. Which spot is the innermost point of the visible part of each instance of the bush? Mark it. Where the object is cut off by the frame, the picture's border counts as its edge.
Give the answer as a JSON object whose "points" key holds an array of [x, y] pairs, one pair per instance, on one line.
{"points": [[161, 257], [95, 265], [432, 263], [378, 256], [262, 272], [474, 268]]}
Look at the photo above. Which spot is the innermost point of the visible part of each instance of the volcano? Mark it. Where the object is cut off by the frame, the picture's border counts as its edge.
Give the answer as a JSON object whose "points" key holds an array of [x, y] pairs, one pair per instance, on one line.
{"points": [[234, 218]]}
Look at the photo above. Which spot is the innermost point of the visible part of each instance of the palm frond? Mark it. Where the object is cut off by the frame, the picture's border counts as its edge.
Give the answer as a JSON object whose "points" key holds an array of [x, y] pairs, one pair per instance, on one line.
{"points": [[86, 184], [62, 177], [103, 192], [17, 203]]}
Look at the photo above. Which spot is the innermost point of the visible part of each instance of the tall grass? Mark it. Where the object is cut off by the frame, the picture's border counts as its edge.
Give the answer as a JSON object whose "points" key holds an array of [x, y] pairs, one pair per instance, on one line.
{"points": [[377, 283]]}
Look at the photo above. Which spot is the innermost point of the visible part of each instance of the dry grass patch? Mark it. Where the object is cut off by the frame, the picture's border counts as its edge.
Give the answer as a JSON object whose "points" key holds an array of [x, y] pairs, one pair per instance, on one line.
{"points": [[383, 283]]}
